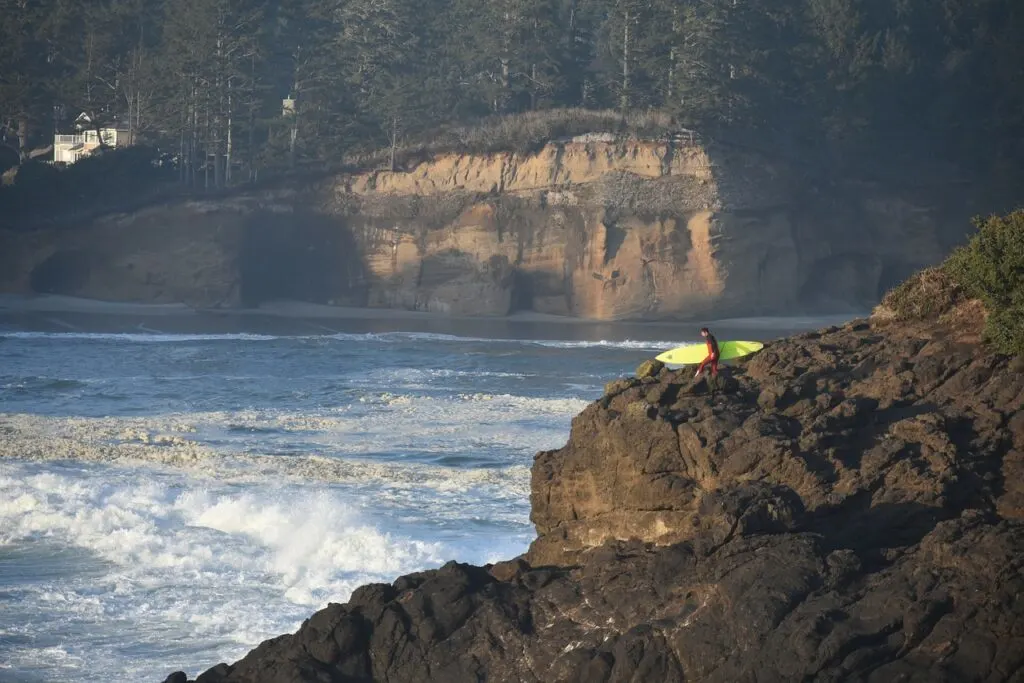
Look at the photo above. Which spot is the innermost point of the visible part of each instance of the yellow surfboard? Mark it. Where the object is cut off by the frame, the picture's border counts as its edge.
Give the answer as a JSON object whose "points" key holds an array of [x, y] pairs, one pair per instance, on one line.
{"points": [[694, 353]]}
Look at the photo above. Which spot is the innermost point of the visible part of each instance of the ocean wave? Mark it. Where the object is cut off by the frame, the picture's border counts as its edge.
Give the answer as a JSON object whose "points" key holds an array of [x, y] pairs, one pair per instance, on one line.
{"points": [[752, 322], [398, 337], [139, 337], [530, 404], [125, 523], [603, 344], [426, 377], [444, 373], [171, 443], [381, 337], [33, 383], [177, 559]]}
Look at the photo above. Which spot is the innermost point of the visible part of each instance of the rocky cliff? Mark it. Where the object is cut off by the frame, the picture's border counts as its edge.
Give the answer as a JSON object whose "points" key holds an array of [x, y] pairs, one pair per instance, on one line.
{"points": [[849, 508], [593, 227]]}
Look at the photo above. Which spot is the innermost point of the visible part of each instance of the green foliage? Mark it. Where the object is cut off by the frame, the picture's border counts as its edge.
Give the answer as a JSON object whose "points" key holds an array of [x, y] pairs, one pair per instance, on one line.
{"points": [[991, 268], [205, 79], [1005, 330]]}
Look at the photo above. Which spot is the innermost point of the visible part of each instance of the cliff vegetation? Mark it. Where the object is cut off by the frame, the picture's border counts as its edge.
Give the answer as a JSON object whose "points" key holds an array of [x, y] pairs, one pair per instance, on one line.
{"points": [[988, 270]]}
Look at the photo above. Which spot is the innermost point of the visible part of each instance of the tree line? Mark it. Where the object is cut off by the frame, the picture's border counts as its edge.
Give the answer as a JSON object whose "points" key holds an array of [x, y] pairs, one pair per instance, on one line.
{"points": [[232, 88]]}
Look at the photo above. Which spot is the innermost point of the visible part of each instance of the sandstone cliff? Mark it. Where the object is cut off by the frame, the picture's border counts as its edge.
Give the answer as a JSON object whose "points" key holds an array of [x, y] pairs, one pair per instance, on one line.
{"points": [[851, 508], [594, 227]]}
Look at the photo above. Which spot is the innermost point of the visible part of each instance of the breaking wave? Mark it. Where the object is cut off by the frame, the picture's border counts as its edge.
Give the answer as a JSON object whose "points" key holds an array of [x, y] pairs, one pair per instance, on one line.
{"points": [[380, 338], [172, 443], [127, 562]]}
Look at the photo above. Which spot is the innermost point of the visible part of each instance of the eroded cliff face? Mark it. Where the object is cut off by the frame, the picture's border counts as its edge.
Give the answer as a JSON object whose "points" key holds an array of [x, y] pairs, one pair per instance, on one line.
{"points": [[611, 230], [594, 227]]}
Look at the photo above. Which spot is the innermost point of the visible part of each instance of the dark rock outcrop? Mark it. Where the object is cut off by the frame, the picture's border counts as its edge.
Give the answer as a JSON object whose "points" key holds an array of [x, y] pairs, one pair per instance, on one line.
{"points": [[849, 509]]}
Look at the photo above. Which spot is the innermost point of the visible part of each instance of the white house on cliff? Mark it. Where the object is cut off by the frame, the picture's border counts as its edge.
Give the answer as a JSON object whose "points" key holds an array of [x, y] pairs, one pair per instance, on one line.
{"points": [[67, 149]]}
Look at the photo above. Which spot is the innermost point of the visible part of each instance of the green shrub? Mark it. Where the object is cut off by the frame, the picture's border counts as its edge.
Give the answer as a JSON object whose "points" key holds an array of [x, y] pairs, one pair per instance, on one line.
{"points": [[991, 268], [1005, 330]]}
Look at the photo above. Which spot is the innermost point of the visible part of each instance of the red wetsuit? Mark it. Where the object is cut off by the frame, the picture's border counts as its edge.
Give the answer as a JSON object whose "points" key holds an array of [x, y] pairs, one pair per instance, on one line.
{"points": [[712, 358]]}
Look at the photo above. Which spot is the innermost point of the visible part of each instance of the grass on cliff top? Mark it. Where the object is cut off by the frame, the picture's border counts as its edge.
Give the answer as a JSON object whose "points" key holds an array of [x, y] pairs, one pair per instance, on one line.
{"points": [[523, 133], [926, 295], [989, 269]]}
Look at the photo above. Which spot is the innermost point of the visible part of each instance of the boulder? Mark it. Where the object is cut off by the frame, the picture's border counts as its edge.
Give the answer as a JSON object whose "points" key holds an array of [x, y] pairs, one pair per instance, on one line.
{"points": [[649, 368]]}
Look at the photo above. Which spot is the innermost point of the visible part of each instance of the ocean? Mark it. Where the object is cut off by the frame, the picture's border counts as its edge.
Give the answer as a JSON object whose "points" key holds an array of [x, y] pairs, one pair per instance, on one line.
{"points": [[170, 500]]}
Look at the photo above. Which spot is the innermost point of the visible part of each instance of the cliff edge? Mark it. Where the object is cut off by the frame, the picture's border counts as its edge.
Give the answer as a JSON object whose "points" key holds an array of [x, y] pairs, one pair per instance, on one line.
{"points": [[850, 508], [596, 226]]}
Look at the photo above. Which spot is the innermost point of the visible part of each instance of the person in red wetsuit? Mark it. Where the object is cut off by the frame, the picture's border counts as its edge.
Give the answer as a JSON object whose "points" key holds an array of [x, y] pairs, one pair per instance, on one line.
{"points": [[711, 359]]}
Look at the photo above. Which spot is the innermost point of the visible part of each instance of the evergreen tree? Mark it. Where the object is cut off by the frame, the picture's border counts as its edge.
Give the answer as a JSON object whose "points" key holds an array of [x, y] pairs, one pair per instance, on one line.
{"points": [[519, 44], [382, 54], [29, 67], [234, 86]]}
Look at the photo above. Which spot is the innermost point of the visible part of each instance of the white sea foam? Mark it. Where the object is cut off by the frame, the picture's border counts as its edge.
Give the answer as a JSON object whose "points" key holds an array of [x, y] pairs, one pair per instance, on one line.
{"points": [[340, 445], [180, 560], [165, 443], [605, 344], [311, 542], [395, 337], [380, 338]]}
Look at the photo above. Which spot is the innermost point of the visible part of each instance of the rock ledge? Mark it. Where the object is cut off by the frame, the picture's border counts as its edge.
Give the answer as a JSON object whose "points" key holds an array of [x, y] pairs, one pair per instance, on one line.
{"points": [[851, 508]]}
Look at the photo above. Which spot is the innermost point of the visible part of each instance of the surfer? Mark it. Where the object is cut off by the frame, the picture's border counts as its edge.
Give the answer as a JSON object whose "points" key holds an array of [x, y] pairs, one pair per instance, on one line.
{"points": [[711, 359]]}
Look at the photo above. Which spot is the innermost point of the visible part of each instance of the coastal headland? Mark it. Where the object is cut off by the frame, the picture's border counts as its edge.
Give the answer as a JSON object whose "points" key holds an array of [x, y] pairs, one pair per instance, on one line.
{"points": [[850, 507]]}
